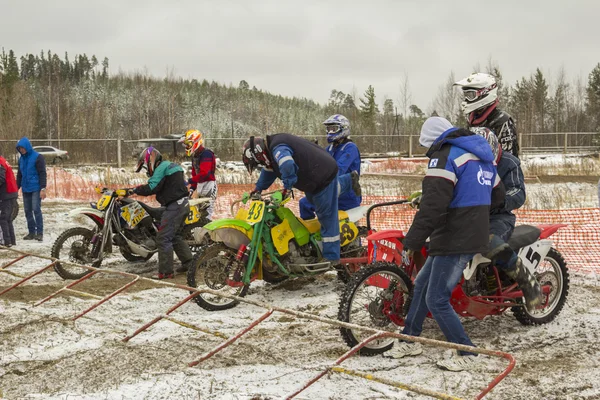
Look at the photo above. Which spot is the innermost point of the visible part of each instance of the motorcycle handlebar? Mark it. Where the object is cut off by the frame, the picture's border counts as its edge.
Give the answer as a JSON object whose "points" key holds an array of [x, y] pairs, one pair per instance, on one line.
{"points": [[240, 200]]}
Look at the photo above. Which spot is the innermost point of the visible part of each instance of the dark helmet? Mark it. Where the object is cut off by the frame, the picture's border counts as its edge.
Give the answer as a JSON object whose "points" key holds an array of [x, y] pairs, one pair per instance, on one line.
{"points": [[149, 158], [254, 154], [491, 138]]}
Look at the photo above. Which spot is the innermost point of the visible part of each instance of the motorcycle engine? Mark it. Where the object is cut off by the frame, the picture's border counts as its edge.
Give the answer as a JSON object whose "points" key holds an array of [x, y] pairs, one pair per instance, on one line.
{"points": [[483, 282], [301, 255], [142, 236]]}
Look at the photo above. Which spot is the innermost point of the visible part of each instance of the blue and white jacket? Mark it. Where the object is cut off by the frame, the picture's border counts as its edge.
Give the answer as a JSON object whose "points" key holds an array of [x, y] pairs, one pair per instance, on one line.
{"points": [[460, 186]]}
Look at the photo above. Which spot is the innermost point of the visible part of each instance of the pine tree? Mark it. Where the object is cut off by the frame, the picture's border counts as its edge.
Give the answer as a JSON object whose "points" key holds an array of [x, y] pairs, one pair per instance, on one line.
{"points": [[369, 111], [593, 98]]}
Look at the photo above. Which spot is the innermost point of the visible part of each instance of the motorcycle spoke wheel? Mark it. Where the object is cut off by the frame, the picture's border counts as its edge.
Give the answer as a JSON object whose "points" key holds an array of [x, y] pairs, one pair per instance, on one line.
{"points": [[215, 267], [74, 245], [363, 300], [553, 272]]}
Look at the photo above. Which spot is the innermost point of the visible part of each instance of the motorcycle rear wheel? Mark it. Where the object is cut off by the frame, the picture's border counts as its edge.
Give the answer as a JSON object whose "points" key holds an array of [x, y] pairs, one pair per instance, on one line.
{"points": [[74, 245], [551, 271], [188, 236], [212, 267], [360, 304], [358, 248]]}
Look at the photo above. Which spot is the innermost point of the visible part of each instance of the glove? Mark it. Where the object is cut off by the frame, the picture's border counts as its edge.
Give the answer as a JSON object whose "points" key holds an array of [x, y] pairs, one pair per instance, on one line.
{"points": [[409, 253], [255, 194], [286, 193], [130, 191], [415, 199]]}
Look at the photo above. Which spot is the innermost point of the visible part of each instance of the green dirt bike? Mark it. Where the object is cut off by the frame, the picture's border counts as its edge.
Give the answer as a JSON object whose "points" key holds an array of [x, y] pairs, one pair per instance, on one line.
{"points": [[267, 241]]}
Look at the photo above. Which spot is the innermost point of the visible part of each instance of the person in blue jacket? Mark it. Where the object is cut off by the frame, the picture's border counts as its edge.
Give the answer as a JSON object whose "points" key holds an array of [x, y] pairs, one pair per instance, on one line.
{"points": [[31, 179], [347, 156], [303, 165], [460, 187]]}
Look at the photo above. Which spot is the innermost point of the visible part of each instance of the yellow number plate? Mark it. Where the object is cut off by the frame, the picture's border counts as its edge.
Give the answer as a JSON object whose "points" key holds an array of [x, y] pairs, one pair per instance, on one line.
{"points": [[256, 210], [103, 202], [193, 216]]}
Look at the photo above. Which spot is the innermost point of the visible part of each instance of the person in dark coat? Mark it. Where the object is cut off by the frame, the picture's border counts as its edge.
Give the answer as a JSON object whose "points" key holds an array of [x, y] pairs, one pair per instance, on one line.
{"points": [[168, 184], [303, 165]]}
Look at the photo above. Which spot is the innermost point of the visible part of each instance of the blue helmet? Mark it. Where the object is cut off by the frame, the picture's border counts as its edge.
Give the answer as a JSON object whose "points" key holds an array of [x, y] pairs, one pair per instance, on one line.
{"points": [[337, 127]]}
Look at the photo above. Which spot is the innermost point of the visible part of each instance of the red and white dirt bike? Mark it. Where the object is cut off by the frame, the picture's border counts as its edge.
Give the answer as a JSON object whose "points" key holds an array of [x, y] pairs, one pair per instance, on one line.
{"points": [[380, 295]]}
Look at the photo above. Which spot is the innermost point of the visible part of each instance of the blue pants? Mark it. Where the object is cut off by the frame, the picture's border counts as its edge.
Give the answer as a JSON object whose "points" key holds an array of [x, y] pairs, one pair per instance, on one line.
{"points": [[433, 288], [500, 230], [307, 209], [326, 208], [32, 204]]}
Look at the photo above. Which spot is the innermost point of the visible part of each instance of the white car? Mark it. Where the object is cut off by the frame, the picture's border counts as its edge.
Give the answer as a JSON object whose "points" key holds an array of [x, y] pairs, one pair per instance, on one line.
{"points": [[52, 154]]}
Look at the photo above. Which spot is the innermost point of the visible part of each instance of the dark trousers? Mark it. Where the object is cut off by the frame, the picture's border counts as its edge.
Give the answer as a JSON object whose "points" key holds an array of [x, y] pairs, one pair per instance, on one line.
{"points": [[170, 236], [8, 231], [32, 204], [501, 227]]}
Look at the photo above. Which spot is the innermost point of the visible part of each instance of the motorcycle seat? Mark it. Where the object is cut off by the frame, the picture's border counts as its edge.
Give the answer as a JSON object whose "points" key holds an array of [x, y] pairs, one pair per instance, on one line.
{"points": [[154, 212], [524, 235], [314, 226]]}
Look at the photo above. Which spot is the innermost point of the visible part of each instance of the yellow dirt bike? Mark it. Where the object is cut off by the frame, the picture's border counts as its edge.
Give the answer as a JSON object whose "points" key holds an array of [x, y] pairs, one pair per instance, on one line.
{"points": [[123, 222], [267, 241]]}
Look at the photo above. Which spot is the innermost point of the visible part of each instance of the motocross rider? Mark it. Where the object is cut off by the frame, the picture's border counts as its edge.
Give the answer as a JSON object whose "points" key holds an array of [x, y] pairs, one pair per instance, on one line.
{"points": [[459, 187], [303, 165], [480, 106], [167, 183], [502, 220], [347, 156], [203, 181]]}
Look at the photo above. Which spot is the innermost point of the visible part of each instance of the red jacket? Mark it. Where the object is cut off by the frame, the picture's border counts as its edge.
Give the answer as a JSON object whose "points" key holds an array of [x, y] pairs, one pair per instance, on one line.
{"points": [[203, 167], [8, 183]]}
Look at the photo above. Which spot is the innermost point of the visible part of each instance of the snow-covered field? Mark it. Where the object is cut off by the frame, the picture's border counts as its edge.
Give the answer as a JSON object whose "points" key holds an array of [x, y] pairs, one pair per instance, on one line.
{"points": [[45, 356]]}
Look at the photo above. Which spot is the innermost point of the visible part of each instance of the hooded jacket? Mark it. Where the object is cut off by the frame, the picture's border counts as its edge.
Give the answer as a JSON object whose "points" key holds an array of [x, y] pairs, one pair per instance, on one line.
{"points": [[511, 175], [457, 195], [31, 176]]}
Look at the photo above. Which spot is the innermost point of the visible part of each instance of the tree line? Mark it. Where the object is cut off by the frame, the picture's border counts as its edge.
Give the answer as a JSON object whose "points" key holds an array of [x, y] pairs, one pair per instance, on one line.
{"points": [[54, 97]]}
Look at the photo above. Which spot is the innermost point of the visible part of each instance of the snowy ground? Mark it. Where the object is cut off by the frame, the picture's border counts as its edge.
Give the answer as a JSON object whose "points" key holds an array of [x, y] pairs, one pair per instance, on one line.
{"points": [[43, 356]]}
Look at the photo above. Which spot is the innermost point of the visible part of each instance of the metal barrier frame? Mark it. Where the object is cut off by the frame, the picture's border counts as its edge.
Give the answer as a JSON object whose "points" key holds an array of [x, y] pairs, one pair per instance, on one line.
{"points": [[335, 367]]}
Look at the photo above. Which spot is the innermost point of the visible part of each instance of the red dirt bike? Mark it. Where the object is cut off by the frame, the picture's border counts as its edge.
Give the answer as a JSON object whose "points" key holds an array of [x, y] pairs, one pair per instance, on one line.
{"points": [[380, 295]]}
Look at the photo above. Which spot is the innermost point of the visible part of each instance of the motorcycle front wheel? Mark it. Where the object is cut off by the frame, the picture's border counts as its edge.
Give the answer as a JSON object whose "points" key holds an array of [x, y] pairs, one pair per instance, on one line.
{"points": [[74, 245], [215, 267], [362, 303]]}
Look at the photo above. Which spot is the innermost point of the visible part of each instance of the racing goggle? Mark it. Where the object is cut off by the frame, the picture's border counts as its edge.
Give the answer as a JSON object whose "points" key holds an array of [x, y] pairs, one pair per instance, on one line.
{"points": [[331, 129], [474, 94]]}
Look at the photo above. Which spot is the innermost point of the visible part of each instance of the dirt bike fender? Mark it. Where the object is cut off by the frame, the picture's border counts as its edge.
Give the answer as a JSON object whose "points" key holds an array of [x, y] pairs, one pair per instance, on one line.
{"points": [[92, 213], [232, 232], [531, 256]]}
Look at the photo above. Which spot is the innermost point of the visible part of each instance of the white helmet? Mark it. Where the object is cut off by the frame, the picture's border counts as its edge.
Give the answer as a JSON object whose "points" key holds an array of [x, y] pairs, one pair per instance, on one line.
{"points": [[479, 90]]}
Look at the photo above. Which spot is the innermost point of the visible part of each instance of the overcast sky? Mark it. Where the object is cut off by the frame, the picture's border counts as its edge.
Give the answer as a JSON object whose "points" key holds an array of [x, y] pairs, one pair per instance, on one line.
{"points": [[309, 47]]}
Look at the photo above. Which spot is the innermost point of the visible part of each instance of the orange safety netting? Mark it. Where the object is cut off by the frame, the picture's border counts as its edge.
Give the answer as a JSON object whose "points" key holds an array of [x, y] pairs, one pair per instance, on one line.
{"points": [[579, 242]]}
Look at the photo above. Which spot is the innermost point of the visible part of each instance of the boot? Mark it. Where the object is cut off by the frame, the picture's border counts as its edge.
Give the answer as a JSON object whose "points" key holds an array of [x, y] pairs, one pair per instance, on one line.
{"points": [[528, 284], [355, 184]]}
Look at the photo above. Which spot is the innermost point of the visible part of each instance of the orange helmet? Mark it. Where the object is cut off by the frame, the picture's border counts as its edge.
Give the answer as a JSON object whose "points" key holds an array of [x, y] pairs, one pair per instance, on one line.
{"points": [[192, 141]]}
